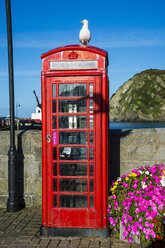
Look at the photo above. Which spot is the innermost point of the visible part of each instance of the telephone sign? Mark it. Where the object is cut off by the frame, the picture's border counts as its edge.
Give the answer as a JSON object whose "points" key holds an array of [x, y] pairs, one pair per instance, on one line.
{"points": [[75, 141]]}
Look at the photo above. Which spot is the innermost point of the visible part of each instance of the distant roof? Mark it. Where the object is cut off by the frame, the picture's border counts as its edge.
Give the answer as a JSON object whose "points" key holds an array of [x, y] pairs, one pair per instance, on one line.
{"points": [[76, 47]]}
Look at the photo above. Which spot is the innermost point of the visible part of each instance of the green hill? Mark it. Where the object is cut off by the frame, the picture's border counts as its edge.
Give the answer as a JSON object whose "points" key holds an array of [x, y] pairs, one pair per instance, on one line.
{"points": [[142, 98]]}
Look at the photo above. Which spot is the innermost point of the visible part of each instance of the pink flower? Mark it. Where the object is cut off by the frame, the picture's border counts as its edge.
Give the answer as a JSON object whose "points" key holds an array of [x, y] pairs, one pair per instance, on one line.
{"points": [[113, 197], [138, 192], [125, 184], [137, 210], [135, 186], [160, 168], [145, 179], [141, 227], [130, 239], [153, 170], [147, 236], [125, 233], [140, 219], [123, 176], [131, 193], [130, 218], [115, 204]]}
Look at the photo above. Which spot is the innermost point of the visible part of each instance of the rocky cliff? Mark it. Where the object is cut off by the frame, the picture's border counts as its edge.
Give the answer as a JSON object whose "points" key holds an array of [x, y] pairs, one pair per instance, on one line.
{"points": [[142, 98]]}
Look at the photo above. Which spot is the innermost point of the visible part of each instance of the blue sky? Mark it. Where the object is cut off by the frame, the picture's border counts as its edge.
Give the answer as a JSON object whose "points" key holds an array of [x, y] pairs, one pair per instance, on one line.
{"points": [[132, 31]]}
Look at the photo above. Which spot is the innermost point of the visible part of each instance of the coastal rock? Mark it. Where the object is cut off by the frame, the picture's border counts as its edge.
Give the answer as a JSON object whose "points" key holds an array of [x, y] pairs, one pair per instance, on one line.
{"points": [[141, 98]]}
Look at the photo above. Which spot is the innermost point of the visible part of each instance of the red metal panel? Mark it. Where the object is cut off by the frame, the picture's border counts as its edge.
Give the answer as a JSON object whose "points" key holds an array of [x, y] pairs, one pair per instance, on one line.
{"points": [[98, 151], [92, 49], [104, 148]]}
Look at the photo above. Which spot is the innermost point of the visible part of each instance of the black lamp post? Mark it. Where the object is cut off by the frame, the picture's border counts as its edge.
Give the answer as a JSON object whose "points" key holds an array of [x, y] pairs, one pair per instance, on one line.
{"points": [[13, 202]]}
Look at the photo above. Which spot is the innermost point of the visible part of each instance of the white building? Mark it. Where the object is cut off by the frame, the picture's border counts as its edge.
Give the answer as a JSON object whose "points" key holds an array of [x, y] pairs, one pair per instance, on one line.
{"points": [[37, 114]]}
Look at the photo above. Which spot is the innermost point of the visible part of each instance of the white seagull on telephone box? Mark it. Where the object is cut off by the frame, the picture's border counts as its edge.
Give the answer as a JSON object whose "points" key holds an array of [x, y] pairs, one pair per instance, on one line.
{"points": [[84, 35]]}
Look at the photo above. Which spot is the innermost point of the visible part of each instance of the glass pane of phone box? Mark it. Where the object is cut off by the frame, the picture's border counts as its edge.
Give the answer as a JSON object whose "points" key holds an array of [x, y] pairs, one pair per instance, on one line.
{"points": [[74, 185], [71, 90], [73, 153], [73, 201], [73, 169], [72, 122], [73, 138], [73, 106]]}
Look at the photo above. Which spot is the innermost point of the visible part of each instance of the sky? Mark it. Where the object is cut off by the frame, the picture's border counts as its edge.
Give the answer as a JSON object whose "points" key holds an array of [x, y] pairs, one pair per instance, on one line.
{"points": [[132, 31]]}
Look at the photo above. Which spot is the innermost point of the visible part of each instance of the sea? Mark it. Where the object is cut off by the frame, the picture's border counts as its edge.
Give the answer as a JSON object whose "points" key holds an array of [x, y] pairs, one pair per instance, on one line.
{"points": [[136, 125]]}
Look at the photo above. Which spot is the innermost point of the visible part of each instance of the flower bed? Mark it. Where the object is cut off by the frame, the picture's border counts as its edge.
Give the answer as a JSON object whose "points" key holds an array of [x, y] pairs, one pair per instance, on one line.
{"points": [[138, 200]]}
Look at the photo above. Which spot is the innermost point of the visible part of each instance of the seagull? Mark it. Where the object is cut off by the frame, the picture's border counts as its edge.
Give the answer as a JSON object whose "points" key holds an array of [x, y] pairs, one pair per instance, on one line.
{"points": [[84, 35]]}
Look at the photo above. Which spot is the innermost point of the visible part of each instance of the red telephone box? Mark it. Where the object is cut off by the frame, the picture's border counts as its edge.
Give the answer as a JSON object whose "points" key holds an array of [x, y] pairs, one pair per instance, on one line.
{"points": [[75, 141]]}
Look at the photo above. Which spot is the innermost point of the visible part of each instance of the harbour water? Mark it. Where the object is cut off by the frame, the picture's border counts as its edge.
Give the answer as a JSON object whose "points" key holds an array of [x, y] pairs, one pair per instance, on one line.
{"points": [[136, 125]]}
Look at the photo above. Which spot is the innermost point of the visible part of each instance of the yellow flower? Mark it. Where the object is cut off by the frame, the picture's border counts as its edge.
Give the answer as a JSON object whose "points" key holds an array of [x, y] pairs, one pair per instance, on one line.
{"points": [[114, 187], [132, 174], [164, 172], [116, 183], [126, 178]]}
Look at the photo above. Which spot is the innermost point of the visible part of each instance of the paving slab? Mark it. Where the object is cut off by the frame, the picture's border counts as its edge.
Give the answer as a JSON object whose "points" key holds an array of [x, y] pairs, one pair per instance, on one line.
{"points": [[22, 229]]}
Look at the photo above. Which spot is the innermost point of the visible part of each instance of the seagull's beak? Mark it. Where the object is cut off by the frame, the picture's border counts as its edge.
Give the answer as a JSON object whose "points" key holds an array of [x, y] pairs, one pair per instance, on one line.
{"points": [[82, 21]]}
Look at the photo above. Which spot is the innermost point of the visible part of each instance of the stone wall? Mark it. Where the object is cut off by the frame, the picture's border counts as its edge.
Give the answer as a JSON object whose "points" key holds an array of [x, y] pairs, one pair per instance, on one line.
{"points": [[132, 148], [29, 162], [128, 149]]}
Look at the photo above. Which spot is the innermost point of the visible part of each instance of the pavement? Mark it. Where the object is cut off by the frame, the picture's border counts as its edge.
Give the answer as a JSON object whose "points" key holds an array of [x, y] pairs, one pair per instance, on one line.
{"points": [[22, 229]]}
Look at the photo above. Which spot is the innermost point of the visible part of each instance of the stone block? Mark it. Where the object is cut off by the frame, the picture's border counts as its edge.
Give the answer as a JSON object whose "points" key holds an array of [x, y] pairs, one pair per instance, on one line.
{"points": [[161, 138], [4, 186], [159, 153], [3, 201], [3, 167], [144, 130], [33, 200], [139, 138], [127, 166], [32, 170], [137, 152], [37, 151], [34, 186]]}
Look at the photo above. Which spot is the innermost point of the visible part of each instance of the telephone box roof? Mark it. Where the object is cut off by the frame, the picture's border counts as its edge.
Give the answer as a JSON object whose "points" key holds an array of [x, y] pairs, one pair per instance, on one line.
{"points": [[76, 47]]}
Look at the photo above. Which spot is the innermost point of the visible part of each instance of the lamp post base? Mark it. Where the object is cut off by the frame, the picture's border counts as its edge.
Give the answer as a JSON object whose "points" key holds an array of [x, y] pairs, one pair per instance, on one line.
{"points": [[13, 203], [13, 206]]}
